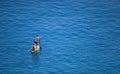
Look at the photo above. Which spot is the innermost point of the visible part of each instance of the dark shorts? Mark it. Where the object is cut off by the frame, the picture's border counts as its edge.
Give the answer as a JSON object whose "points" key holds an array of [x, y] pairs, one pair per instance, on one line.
{"points": [[36, 42]]}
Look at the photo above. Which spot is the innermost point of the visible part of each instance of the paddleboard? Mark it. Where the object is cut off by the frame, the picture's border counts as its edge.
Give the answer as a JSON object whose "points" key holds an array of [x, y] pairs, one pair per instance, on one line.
{"points": [[37, 49]]}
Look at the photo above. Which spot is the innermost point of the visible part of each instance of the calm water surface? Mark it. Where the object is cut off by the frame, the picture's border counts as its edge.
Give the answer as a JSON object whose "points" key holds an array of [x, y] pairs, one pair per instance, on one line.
{"points": [[77, 36]]}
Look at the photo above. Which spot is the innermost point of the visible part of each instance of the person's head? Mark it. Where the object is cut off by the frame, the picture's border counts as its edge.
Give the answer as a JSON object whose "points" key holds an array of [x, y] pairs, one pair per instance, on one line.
{"points": [[37, 37]]}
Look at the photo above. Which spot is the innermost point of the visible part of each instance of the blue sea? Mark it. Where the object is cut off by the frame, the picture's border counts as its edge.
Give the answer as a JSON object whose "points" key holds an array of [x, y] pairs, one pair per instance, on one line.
{"points": [[77, 36]]}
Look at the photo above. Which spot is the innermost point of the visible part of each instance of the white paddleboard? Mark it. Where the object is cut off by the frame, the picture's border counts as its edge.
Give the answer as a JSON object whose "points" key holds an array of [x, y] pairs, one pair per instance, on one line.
{"points": [[37, 49]]}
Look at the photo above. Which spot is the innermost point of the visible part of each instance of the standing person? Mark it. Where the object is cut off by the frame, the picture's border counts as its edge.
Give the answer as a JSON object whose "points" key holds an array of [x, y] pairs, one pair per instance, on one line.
{"points": [[37, 38]]}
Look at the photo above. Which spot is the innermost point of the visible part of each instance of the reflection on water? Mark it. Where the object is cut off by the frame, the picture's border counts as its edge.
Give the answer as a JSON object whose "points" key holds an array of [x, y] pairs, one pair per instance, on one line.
{"points": [[35, 56]]}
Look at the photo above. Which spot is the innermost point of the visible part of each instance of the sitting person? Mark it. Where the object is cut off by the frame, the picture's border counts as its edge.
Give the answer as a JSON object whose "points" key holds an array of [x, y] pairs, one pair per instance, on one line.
{"points": [[33, 47]]}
